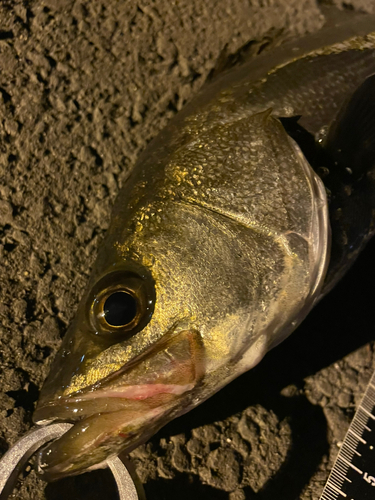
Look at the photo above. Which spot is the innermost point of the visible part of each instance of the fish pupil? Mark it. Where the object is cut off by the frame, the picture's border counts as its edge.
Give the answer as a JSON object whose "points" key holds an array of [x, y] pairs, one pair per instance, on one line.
{"points": [[120, 309]]}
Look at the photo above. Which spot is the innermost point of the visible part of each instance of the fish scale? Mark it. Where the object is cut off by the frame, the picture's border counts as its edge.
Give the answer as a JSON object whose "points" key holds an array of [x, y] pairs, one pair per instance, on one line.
{"points": [[287, 95]]}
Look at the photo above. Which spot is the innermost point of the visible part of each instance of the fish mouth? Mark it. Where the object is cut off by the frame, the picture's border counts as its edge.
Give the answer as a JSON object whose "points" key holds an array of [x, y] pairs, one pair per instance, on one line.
{"points": [[123, 410]]}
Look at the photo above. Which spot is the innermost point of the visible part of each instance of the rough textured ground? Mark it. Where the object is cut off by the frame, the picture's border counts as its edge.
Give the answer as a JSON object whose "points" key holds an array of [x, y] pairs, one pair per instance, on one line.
{"points": [[84, 85]]}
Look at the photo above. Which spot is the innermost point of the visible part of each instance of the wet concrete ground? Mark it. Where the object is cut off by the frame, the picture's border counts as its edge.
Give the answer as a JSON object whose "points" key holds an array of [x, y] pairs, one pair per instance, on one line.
{"points": [[84, 86]]}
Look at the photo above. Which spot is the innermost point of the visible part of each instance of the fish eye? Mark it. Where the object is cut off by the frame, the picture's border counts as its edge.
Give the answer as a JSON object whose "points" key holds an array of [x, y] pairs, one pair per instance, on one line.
{"points": [[121, 304], [120, 309]]}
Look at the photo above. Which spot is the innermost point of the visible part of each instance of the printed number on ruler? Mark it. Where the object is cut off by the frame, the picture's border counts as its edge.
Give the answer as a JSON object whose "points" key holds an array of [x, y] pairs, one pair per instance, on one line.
{"points": [[353, 474]]}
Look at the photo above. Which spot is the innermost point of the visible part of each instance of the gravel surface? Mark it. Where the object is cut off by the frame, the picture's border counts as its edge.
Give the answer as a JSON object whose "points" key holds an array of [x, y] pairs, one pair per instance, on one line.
{"points": [[84, 86]]}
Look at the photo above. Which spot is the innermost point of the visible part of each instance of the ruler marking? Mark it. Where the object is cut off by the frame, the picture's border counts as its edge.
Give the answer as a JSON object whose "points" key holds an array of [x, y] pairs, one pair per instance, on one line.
{"points": [[351, 445], [357, 428], [333, 494], [363, 420], [337, 489], [367, 412], [337, 480], [358, 437], [348, 454], [351, 465], [337, 485], [343, 468], [338, 473], [358, 425], [329, 494], [370, 394], [367, 404]]}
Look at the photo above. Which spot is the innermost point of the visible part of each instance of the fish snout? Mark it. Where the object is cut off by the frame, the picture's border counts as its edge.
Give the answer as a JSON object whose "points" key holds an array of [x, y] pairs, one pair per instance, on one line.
{"points": [[124, 410]]}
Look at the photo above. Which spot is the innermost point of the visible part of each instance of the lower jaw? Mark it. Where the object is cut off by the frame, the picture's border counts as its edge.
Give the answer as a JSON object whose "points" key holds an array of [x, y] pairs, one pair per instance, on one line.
{"points": [[124, 411], [90, 442]]}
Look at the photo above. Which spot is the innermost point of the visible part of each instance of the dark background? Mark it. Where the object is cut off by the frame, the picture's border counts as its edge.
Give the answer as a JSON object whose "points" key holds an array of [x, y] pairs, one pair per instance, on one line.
{"points": [[84, 86]]}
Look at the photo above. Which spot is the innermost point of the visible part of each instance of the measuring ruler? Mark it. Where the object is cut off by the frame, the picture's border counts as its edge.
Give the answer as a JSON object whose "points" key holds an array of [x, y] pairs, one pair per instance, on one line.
{"points": [[353, 474]]}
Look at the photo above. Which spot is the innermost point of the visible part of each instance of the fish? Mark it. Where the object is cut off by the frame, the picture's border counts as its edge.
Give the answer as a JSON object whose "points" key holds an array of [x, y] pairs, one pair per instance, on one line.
{"points": [[236, 220]]}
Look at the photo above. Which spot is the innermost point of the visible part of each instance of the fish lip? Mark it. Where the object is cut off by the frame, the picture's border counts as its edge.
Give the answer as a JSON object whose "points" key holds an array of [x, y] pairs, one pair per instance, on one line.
{"points": [[138, 392], [122, 411], [63, 469], [153, 419], [109, 389], [126, 394]]}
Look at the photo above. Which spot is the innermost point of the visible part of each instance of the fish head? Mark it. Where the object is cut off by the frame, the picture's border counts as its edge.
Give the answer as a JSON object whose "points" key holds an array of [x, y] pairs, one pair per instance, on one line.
{"points": [[190, 289], [142, 350]]}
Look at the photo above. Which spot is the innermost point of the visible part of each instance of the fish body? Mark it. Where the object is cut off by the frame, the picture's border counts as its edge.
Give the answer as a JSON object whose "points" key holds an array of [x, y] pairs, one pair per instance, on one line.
{"points": [[219, 246]]}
